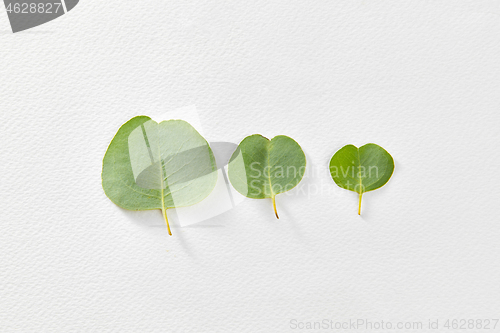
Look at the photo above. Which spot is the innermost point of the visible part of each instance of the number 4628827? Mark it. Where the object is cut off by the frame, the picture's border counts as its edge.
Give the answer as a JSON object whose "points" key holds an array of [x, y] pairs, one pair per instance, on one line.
{"points": [[34, 8]]}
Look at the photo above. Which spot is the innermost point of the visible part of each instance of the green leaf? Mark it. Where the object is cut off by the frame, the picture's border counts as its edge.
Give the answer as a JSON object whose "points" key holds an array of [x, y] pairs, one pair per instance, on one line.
{"points": [[262, 168], [158, 166], [361, 169]]}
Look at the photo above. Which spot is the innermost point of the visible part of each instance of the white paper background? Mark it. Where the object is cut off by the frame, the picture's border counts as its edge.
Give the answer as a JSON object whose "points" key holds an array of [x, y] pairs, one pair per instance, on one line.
{"points": [[420, 78]]}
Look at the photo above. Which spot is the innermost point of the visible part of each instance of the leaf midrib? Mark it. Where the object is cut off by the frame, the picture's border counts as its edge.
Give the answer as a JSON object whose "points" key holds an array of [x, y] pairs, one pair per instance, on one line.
{"points": [[269, 169], [359, 173]]}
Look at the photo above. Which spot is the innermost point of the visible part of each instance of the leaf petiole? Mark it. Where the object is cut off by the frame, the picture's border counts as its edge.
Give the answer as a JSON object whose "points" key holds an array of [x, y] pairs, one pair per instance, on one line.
{"points": [[274, 205], [360, 196], [164, 213]]}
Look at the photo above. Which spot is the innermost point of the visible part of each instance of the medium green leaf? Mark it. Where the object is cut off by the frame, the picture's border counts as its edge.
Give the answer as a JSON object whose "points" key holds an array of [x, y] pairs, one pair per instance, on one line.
{"points": [[361, 169], [158, 166], [262, 168]]}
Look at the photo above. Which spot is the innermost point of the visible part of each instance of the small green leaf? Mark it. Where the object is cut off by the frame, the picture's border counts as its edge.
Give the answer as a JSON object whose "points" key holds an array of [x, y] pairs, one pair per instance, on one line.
{"points": [[158, 166], [361, 169], [262, 168]]}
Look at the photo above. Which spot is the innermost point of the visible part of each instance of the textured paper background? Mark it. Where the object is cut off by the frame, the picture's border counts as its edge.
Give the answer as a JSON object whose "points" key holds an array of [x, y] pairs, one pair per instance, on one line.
{"points": [[420, 78]]}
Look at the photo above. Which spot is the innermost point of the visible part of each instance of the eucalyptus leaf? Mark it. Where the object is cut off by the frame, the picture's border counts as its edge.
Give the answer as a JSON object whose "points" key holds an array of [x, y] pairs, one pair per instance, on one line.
{"points": [[150, 165], [362, 169], [262, 168]]}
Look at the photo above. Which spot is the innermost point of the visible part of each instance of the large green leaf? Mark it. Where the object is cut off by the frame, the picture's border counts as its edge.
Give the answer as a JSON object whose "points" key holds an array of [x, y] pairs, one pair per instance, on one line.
{"points": [[262, 168], [361, 169], [158, 166]]}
